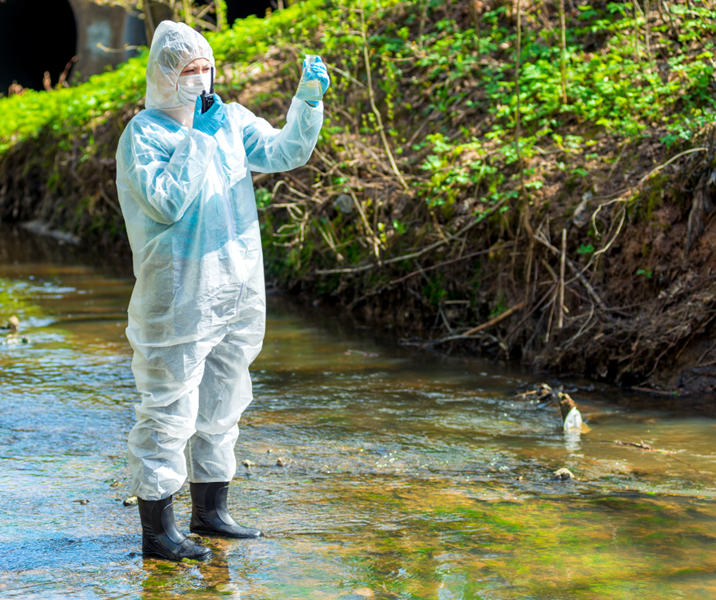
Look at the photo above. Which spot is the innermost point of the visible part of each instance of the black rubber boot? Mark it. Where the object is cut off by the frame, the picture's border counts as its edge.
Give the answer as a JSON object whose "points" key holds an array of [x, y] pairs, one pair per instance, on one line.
{"points": [[160, 536], [210, 514]]}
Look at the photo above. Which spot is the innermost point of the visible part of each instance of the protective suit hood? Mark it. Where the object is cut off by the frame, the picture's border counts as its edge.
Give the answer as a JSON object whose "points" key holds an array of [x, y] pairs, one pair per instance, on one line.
{"points": [[174, 46]]}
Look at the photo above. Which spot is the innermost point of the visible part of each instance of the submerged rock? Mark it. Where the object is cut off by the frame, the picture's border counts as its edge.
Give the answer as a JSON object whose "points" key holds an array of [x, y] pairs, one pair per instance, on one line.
{"points": [[562, 475], [13, 327], [131, 501], [358, 594], [12, 339], [13, 324]]}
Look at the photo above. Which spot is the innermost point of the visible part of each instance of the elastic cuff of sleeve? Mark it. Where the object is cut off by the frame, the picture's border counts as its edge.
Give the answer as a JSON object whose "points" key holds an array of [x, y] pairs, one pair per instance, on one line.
{"points": [[311, 104]]}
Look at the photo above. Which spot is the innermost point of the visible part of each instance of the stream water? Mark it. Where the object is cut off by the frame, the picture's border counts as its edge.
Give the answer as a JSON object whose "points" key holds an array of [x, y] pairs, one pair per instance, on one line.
{"points": [[406, 474]]}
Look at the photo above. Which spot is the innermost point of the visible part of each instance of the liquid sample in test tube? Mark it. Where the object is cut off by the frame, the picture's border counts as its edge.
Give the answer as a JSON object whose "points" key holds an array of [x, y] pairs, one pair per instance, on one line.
{"points": [[312, 90]]}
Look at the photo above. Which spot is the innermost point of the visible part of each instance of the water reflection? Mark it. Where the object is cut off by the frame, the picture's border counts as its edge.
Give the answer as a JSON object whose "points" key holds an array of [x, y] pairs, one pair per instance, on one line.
{"points": [[165, 580], [378, 472]]}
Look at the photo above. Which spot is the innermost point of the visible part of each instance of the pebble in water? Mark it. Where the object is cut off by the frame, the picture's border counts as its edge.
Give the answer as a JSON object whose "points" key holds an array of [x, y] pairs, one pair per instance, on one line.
{"points": [[562, 475], [13, 324], [131, 501], [13, 327]]}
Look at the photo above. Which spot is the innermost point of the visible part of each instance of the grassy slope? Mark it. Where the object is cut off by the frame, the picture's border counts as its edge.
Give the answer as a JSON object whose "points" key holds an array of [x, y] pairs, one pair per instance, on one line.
{"points": [[445, 230]]}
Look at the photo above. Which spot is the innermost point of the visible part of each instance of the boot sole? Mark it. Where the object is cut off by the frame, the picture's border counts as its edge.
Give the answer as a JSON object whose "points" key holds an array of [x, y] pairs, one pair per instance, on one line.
{"points": [[213, 532], [151, 553]]}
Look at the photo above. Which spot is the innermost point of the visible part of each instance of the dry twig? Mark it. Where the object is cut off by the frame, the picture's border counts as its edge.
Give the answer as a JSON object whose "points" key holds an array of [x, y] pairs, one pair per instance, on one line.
{"points": [[642, 446]]}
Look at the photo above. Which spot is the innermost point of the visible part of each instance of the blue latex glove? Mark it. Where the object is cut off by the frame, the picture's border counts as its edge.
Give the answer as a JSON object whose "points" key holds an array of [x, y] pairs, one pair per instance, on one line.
{"points": [[211, 121], [314, 80]]}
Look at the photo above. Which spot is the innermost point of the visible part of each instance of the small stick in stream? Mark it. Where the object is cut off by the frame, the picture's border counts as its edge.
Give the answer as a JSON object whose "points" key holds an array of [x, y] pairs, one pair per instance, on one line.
{"points": [[647, 448]]}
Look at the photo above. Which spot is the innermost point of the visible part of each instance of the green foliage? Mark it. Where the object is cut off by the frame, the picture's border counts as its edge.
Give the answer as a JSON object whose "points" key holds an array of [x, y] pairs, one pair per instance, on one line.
{"points": [[447, 102], [263, 198], [612, 88], [500, 306], [435, 291], [69, 111]]}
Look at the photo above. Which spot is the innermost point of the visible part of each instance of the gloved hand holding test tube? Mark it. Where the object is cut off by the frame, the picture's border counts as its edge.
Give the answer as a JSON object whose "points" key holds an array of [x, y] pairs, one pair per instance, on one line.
{"points": [[314, 80]]}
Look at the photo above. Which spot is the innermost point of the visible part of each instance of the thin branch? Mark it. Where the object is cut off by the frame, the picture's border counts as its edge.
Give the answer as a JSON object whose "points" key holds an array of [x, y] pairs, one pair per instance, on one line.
{"points": [[509, 312], [560, 308], [346, 75], [188, 15], [668, 162], [540, 238], [497, 319], [371, 95], [647, 448], [448, 262], [413, 254], [563, 51]]}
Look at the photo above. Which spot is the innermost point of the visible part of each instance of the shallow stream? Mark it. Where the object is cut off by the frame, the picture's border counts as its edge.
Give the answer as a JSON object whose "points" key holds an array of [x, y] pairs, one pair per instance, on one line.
{"points": [[406, 474]]}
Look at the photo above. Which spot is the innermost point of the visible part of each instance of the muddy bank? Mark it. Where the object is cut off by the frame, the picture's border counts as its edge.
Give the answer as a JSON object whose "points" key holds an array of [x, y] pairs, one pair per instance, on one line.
{"points": [[640, 315], [585, 248]]}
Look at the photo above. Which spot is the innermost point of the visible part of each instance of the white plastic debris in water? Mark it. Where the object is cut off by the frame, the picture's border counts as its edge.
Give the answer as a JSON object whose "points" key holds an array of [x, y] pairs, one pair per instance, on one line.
{"points": [[344, 203], [573, 420]]}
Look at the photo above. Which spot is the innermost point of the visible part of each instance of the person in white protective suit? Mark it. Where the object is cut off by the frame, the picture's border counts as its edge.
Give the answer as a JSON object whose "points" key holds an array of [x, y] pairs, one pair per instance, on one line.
{"points": [[197, 313]]}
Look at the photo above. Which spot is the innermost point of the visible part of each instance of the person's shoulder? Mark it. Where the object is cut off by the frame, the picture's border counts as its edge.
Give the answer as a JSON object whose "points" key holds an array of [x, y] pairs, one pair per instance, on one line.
{"points": [[152, 121], [150, 128]]}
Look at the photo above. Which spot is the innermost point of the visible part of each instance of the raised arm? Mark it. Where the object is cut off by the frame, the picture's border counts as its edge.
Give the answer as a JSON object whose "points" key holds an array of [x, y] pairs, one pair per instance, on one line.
{"points": [[271, 150]]}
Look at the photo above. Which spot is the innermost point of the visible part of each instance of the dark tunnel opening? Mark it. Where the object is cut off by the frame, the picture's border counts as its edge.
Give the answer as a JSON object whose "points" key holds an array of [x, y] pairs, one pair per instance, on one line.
{"points": [[240, 9], [38, 36], [35, 36]]}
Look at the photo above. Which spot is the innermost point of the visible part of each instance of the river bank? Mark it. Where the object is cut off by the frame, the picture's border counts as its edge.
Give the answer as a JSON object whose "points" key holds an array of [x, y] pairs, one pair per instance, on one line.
{"points": [[574, 235]]}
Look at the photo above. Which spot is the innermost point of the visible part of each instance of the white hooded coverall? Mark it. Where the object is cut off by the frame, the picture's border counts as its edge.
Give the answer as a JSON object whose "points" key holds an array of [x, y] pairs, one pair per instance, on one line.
{"points": [[197, 312]]}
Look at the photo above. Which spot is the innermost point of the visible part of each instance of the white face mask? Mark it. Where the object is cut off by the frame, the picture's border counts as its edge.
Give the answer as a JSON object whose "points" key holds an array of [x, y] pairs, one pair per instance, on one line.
{"points": [[189, 87]]}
